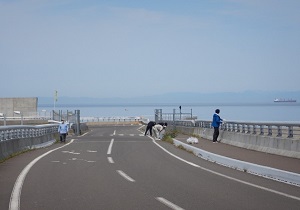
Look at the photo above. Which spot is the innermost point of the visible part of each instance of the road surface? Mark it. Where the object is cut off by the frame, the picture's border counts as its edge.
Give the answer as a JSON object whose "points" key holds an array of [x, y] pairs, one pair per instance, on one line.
{"points": [[117, 167]]}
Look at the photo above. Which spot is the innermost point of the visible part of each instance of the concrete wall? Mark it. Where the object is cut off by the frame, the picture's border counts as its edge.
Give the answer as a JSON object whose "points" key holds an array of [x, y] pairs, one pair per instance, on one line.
{"points": [[274, 145], [10, 147], [25, 105]]}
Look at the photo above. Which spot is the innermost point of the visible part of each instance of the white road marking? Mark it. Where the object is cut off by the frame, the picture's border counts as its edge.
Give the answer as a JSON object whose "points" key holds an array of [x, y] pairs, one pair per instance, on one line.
{"points": [[110, 160], [55, 161], [131, 134], [228, 177], [125, 176], [14, 203], [168, 203], [85, 133], [72, 152], [91, 151], [121, 134], [114, 132], [110, 147]]}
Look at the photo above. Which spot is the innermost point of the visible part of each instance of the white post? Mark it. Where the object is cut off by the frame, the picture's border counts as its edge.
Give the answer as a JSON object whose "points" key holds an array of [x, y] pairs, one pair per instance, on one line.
{"points": [[55, 98]]}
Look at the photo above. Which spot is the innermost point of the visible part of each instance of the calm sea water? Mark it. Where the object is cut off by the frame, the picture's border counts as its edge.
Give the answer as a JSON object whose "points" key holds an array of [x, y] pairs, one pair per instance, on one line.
{"points": [[230, 112]]}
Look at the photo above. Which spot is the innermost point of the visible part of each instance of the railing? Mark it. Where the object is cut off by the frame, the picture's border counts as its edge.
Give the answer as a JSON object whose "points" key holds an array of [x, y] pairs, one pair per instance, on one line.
{"points": [[278, 129], [21, 132], [110, 119]]}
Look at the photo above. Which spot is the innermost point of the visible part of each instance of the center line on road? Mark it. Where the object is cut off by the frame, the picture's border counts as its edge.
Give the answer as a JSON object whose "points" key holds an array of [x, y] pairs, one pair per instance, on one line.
{"points": [[125, 176], [168, 203], [110, 147], [110, 160]]}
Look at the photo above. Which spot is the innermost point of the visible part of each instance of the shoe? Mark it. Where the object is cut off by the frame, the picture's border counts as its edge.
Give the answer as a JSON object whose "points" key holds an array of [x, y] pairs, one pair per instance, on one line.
{"points": [[215, 142]]}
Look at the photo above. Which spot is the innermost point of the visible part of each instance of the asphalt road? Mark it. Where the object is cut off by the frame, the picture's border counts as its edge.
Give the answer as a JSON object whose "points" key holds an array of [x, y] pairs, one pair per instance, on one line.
{"points": [[117, 167]]}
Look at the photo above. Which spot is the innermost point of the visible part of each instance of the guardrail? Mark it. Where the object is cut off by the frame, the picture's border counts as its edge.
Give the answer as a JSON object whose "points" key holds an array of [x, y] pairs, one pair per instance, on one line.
{"points": [[17, 138], [278, 129], [26, 131], [111, 119]]}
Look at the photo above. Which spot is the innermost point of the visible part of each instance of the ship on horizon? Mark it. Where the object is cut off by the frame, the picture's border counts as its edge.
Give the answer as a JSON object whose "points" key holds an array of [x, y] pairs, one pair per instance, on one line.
{"points": [[284, 100]]}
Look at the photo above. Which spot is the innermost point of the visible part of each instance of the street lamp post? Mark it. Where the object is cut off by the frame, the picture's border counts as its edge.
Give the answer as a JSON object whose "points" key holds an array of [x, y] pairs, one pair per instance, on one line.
{"points": [[4, 118], [19, 113]]}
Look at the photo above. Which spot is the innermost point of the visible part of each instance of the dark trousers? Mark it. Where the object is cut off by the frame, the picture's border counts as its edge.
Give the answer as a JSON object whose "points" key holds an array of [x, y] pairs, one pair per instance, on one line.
{"points": [[63, 137], [149, 128], [216, 134]]}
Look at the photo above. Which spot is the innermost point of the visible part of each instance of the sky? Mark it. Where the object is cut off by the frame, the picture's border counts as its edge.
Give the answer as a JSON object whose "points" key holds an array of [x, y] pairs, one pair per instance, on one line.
{"points": [[132, 48]]}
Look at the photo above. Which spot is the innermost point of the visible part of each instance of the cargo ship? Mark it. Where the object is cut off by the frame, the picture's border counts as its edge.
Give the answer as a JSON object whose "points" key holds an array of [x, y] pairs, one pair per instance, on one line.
{"points": [[284, 100]]}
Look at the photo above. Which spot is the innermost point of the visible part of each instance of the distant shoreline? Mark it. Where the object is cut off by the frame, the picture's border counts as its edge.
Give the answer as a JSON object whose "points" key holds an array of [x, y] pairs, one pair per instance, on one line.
{"points": [[169, 104]]}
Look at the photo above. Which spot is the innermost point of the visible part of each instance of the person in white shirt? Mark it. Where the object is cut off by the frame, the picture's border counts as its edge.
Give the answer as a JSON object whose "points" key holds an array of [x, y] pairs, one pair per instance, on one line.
{"points": [[157, 129], [63, 130]]}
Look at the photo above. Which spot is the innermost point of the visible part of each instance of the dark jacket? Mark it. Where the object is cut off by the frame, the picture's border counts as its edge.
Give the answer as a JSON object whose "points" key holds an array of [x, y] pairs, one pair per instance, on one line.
{"points": [[217, 121]]}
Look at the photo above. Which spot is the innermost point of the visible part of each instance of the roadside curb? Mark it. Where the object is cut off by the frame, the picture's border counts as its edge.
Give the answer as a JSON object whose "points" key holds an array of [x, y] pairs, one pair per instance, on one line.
{"points": [[264, 171]]}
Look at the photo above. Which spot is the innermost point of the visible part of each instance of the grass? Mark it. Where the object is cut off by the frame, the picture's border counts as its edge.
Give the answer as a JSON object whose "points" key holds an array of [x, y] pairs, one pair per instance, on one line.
{"points": [[169, 135]]}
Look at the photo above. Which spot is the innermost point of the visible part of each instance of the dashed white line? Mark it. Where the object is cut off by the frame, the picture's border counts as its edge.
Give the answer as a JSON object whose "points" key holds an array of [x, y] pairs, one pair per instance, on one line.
{"points": [[125, 176], [110, 147], [110, 160], [91, 151], [169, 204]]}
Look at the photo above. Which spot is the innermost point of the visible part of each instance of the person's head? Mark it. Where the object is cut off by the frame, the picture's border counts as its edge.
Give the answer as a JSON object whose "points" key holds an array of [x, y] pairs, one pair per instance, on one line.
{"points": [[217, 111], [62, 121]]}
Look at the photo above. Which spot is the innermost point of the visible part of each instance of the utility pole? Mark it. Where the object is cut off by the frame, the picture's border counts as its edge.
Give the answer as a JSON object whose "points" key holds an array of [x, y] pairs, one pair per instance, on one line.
{"points": [[55, 98]]}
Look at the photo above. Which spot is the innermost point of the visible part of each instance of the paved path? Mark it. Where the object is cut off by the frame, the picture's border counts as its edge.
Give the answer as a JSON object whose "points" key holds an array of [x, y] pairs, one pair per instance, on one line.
{"points": [[116, 167]]}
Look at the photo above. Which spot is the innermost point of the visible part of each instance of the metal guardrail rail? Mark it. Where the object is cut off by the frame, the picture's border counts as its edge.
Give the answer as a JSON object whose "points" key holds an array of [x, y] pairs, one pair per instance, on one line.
{"points": [[25, 131], [278, 129], [111, 119]]}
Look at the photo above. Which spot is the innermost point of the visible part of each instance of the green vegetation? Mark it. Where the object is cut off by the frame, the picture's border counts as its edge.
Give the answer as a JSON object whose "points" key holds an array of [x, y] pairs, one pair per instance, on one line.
{"points": [[169, 135]]}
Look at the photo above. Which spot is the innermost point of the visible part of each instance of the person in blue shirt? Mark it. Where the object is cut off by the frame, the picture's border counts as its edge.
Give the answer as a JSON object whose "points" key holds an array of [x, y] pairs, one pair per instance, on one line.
{"points": [[63, 131], [217, 121]]}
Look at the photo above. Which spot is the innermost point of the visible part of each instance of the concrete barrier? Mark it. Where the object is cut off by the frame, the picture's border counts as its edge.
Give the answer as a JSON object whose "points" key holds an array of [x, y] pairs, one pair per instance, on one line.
{"points": [[267, 172], [10, 147], [288, 147]]}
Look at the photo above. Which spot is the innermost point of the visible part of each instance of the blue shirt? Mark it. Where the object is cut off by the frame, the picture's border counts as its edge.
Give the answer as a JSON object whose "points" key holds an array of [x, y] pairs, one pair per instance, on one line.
{"points": [[63, 128], [216, 121]]}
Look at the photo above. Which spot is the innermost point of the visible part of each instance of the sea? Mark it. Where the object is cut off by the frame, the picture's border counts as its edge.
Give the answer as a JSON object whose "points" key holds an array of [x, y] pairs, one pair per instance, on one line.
{"points": [[256, 112]]}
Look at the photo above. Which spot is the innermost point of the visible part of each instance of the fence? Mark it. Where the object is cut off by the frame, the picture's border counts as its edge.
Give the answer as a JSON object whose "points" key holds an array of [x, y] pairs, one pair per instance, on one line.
{"points": [[111, 119], [277, 129], [14, 139], [22, 132], [174, 116]]}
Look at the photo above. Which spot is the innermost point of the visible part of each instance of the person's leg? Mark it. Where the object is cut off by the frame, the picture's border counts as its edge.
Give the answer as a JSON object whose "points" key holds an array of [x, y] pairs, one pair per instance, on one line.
{"points": [[60, 137], [155, 131], [64, 137], [150, 129], [216, 133], [147, 129]]}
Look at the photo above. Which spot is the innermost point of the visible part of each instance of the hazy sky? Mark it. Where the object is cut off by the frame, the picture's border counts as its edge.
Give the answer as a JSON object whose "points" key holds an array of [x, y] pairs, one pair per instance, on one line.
{"points": [[107, 48]]}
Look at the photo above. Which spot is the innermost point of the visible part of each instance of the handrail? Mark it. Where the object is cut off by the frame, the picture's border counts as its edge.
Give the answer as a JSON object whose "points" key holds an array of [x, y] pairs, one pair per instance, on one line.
{"points": [[26, 131], [278, 129]]}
